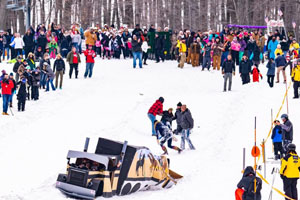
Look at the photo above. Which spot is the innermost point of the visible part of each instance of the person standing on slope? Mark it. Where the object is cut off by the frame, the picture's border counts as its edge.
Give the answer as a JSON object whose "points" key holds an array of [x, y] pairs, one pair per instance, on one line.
{"points": [[7, 86], [296, 79], [245, 69], [90, 61], [247, 183], [187, 124], [287, 131], [228, 68], [177, 117], [137, 51], [277, 140], [289, 172], [73, 58], [156, 109]]}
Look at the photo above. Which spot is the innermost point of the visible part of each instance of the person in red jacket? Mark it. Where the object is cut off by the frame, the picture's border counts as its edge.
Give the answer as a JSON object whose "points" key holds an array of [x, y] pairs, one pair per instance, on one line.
{"points": [[90, 55], [7, 85], [156, 109], [256, 73]]}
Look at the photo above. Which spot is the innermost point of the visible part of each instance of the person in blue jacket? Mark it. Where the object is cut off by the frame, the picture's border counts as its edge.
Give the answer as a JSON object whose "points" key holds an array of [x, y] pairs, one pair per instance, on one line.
{"points": [[272, 47], [280, 62], [271, 72], [277, 140]]}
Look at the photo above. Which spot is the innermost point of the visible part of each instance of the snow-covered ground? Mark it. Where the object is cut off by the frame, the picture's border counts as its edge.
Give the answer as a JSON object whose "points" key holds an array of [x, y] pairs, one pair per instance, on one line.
{"points": [[114, 104]]}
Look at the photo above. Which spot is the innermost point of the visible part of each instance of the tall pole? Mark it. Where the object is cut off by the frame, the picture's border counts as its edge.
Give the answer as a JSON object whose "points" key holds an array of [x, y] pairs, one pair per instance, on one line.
{"points": [[27, 10], [255, 159]]}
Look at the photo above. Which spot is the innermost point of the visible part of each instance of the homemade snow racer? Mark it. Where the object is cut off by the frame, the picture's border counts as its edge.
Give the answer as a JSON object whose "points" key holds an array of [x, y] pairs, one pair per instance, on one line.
{"points": [[114, 169]]}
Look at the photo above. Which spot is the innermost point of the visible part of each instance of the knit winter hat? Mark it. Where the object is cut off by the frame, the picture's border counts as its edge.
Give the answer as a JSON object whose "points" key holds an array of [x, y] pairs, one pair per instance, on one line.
{"points": [[11, 74], [179, 104], [3, 72]]}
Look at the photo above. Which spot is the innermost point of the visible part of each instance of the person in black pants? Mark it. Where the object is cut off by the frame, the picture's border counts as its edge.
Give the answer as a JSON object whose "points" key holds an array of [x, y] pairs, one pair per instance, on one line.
{"points": [[21, 96], [296, 79], [245, 69], [289, 172], [271, 72], [73, 58], [158, 48]]}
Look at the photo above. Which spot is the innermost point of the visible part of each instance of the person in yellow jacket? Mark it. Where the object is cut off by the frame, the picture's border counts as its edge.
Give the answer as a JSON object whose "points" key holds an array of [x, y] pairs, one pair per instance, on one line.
{"points": [[278, 50], [182, 52], [294, 45], [289, 172], [90, 38], [296, 79]]}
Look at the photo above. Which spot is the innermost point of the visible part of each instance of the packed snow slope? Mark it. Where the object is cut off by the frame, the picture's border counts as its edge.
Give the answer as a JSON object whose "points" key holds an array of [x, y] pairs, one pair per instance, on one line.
{"points": [[114, 104]]}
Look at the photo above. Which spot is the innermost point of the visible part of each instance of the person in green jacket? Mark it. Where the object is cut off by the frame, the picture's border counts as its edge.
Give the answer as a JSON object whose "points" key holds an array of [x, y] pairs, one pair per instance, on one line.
{"points": [[30, 60]]}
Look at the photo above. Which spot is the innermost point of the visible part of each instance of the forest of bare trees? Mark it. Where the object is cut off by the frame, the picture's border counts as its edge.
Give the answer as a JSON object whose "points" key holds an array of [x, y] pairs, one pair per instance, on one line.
{"points": [[176, 14]]}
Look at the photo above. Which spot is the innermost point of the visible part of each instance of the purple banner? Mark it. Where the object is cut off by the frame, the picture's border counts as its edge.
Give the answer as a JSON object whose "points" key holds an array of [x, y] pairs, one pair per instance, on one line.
{"points": [[246, 26]]}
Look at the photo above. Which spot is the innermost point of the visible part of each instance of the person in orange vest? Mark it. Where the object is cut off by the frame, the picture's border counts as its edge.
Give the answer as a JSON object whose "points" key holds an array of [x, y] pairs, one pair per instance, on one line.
{"points": [[256, 73]]}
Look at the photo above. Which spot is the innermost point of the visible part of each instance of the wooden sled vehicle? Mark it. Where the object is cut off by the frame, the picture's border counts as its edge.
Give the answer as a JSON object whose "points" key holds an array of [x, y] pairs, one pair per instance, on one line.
{"points": [[114, 169]]}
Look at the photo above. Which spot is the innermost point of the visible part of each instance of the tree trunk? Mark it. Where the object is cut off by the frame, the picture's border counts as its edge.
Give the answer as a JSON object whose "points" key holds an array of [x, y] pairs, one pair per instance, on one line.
{"points": [[128, 18], [21, 22], [67, 14], [3, 13]]}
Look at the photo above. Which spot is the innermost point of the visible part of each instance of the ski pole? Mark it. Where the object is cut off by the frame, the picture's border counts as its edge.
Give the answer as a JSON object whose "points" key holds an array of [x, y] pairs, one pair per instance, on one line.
{"points": [[287, 101], [255, 158]]}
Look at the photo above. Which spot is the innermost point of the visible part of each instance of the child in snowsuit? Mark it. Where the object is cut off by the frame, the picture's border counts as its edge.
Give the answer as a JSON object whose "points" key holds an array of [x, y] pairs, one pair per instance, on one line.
{"points": [[277, 140], [53, 48], [247, 183], [256, 73], [22, 94], [163, 135]]}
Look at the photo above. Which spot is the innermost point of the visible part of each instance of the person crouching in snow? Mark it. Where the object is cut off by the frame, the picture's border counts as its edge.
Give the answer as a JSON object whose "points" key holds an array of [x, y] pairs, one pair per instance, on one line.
{"points": [[22, 94], [247, 183], [90, 61], [164, 134], [277, 140], [256, 73]]}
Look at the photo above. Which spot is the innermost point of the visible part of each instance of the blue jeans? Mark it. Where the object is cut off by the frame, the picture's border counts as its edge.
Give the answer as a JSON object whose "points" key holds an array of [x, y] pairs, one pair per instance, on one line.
{"points": [[5, 99], [7, 50], [43, 79], [139, 56], [185, 135], [89, 70], [152, 119], [50, 81], [224, 57], [11, 98]]}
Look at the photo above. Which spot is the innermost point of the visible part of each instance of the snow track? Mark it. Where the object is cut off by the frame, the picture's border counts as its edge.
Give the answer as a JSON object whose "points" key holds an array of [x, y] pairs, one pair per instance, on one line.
{"points": [[114, 104]]}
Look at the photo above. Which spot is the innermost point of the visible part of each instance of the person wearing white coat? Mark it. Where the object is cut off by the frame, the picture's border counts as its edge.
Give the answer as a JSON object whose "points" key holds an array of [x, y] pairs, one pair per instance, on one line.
{"points": [[145, 48], [18, 45]]}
